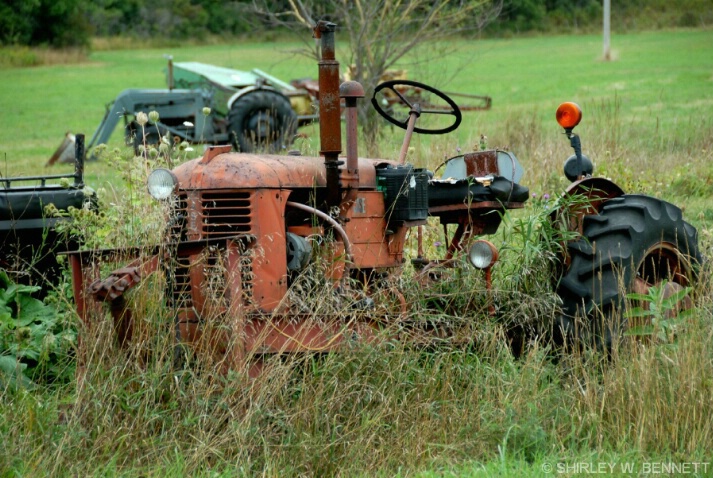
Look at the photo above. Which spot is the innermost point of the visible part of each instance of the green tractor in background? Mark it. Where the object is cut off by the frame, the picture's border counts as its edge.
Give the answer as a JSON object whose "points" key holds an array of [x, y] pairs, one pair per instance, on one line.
{"points": [[251, 110]]}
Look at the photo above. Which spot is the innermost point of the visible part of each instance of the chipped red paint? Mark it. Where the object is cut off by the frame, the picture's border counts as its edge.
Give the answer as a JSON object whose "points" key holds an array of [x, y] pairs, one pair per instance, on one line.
{"points": [[233, 218]]}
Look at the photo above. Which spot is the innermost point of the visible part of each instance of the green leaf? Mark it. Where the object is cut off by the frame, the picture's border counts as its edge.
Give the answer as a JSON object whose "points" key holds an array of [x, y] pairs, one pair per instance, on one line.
{"points": [[679, 319], [4, 279], [8, 294], [638, 312], [640, 330], [23, 352], [671, 301], [26, 289], [32, 310], [10, 365], [12, 372], [641, 297], [685, 315]]}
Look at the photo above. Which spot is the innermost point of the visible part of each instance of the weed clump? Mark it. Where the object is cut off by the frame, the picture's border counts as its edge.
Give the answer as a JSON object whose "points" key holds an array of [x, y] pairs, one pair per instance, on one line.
{"points": [[437, 386]]}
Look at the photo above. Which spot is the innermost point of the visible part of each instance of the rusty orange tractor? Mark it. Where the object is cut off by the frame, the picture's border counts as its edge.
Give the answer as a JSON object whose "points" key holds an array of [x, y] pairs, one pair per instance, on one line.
{"points": [[243, 226]]}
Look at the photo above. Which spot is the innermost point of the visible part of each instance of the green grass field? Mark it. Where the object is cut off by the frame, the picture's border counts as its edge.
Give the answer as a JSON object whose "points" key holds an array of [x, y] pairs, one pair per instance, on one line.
{"points": [[387, 409], [660, 83]]}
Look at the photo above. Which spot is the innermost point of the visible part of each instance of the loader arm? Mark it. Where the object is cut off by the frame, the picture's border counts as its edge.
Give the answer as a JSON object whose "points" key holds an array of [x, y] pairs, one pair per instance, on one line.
{"points": [[107, 125], [175, 106]]}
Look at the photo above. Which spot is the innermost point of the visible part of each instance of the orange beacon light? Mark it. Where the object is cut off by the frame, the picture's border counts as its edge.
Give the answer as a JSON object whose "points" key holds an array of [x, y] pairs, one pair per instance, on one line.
{"points": [[569, 115]]}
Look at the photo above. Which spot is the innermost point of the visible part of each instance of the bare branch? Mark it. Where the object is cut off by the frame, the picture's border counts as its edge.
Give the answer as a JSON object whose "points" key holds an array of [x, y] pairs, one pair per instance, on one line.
{"points": [[382, 34], [302, 13]]}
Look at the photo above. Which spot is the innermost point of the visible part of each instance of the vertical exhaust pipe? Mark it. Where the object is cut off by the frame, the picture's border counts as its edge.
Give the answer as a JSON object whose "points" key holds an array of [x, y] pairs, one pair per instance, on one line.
{"points": [[330, 130], [169, 73], [351, 91], [349, 179]]}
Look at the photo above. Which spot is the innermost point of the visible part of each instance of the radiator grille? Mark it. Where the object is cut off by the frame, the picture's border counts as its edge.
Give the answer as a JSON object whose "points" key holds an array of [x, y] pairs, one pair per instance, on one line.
{"points": [[220, 214], [226, 213], [214, 286], [181, 283], [246, 271], [177, 225]]}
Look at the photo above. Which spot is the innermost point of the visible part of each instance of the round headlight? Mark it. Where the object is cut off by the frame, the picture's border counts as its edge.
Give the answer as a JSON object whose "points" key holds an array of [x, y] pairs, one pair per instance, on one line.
{"points": [[162, 183], [482, 254]]}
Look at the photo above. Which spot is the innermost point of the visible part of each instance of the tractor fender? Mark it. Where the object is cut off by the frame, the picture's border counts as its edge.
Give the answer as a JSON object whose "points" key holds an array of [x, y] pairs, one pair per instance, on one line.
{"points": [[584, 197], [599, 186], [245, 91], [596, 190]]}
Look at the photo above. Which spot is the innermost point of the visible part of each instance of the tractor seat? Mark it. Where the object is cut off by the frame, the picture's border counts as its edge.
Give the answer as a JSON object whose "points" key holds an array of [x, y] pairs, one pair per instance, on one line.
{"points": [[479, 176]]}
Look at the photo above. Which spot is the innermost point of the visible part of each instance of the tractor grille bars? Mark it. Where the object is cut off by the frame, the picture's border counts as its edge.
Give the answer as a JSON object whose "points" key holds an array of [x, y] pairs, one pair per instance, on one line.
{"points": [[226, 214], [200, 215]]}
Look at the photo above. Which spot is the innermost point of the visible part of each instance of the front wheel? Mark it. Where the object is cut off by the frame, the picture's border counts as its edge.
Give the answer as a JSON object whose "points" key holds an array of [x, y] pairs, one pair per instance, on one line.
{"points": [[262, 120], [633, 243]]}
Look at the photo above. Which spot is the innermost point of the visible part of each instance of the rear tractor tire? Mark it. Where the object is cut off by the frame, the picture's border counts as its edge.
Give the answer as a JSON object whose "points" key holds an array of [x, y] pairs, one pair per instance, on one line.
{"points": [[634, 243], [262, 120]]}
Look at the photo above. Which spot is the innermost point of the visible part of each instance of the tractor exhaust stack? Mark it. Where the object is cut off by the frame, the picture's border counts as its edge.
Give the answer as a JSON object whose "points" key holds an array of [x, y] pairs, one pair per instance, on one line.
{"points": [[330, 129], [350, 91]]}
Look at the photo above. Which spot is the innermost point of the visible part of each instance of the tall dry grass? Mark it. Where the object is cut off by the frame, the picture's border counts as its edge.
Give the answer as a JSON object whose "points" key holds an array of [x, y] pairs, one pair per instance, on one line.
{"points": [[390, 407], [23, 56]]}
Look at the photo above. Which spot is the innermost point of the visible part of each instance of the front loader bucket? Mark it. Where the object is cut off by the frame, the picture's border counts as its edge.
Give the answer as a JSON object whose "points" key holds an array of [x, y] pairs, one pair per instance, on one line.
{"points": [[65, 151]]}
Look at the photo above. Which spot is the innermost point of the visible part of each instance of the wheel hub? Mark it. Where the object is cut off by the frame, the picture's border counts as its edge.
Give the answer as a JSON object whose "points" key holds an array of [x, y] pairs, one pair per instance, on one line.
{"points": [[262, 125], [664, 265]]}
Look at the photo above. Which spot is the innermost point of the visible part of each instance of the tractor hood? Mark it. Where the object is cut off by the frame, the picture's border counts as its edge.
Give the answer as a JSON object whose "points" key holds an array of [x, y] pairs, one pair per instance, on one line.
{"points": [[192, 74], [240, 170]]}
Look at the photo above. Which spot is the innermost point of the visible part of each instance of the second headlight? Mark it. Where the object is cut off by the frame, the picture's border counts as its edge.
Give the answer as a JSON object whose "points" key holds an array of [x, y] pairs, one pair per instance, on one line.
{"points": [[482, 254]]}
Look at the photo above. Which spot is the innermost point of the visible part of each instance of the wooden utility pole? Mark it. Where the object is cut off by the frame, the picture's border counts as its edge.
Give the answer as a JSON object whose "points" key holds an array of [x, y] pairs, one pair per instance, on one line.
{"points": [[607, 30]]}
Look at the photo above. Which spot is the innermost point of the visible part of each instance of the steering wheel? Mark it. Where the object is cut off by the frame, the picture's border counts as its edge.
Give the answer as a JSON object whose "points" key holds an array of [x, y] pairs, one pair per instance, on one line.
{"points": [[395, 85]]}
